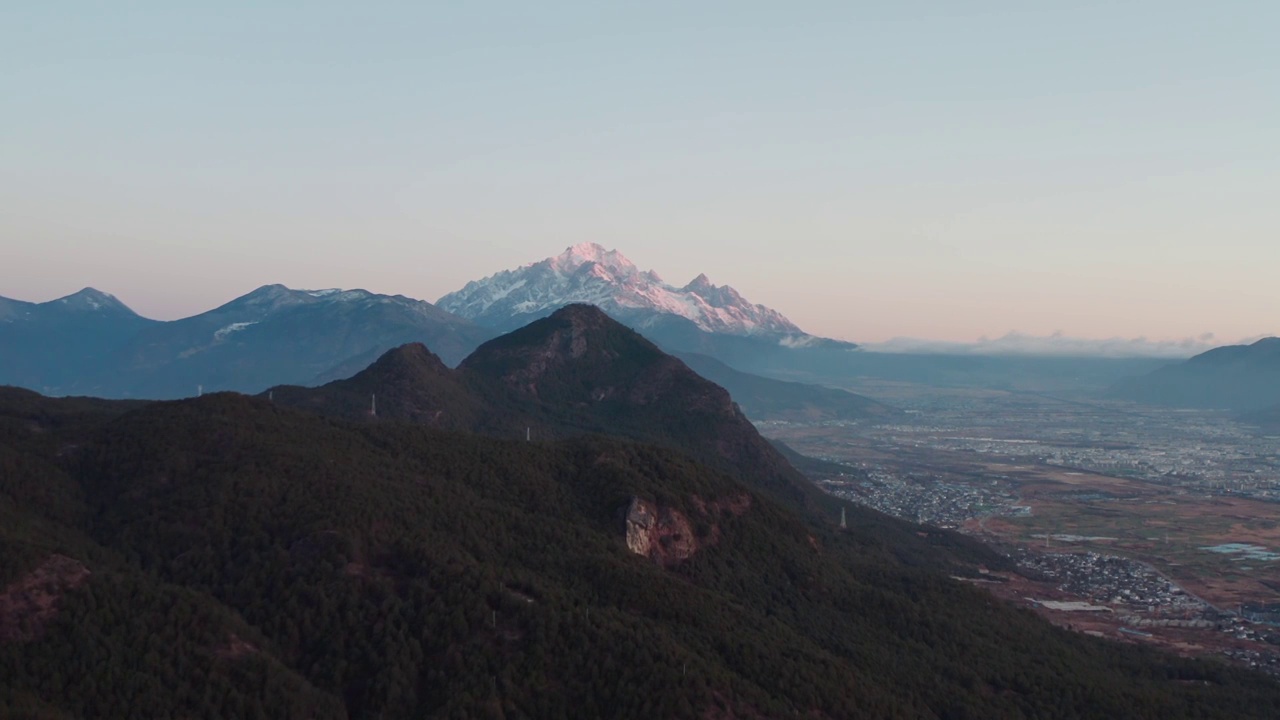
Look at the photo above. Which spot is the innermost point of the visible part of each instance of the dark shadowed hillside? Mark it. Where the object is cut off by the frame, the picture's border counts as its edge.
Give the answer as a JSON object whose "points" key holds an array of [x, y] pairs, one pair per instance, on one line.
{"points": [[764, 398], [579, 370], [574, 372], [1235, 377], [407, 383], [227, 556]]}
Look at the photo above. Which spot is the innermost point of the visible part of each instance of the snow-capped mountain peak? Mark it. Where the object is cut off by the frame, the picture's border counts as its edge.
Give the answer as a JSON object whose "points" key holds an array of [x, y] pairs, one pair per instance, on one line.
{"points": [[702, 282], [91, 300], [575, 257], [589, 273]]}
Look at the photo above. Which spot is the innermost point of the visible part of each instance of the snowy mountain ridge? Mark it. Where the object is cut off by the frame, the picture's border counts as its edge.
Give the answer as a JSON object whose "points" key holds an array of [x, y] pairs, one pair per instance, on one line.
{"points": [[588, 273], [83, 302]]}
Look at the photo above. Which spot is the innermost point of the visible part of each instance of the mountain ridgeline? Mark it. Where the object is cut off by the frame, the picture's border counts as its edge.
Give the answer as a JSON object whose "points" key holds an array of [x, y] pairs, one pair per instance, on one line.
{"points": [[574, 372], [1234, 377], [233, 556], [763, 398], [55, 344], [699, 317], [90, 343], [588, 273]]}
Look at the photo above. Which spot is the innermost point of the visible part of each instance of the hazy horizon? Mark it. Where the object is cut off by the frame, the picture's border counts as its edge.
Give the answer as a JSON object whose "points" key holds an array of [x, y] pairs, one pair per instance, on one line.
{"points": [[1013, 342], [873, 172]]}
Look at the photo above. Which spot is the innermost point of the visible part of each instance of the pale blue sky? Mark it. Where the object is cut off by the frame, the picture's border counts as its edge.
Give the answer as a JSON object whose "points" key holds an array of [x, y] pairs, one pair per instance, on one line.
{"points": [[928, 169]]}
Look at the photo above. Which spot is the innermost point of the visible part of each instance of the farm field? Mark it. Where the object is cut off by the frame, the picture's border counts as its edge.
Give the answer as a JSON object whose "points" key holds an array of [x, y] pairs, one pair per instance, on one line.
{"points": [[1193, 496]]}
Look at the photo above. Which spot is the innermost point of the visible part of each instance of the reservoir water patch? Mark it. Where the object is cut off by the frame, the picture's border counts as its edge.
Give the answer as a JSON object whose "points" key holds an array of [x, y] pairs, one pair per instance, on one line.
{"points": [[1244, 551]]}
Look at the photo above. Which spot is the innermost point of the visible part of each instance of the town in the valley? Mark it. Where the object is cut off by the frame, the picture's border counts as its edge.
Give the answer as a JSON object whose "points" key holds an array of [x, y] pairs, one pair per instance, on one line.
{"points": [[1143, 524]]}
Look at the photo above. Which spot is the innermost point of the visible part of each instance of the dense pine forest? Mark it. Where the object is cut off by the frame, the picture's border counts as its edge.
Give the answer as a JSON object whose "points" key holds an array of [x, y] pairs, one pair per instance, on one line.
{"points": [[296, 555], [226, 556]]}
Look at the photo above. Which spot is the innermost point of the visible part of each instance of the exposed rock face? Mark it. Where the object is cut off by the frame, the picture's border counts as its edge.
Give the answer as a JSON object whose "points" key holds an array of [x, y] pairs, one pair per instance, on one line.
{"points": [[30, 602], [661, 534], [666, 536], [235, 648]]}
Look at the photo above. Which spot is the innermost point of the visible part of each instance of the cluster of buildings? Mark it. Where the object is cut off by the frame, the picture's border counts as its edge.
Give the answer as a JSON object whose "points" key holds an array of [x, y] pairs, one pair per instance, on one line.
{"points": [[1144, 602], [1204, 452], [1265, 660], [1120, 583], [938, 472], [925, 499]]}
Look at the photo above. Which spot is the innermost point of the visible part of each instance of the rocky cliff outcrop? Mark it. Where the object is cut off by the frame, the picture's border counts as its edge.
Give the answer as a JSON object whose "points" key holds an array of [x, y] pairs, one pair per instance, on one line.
{"points": [[661, 534], [666, 536]]}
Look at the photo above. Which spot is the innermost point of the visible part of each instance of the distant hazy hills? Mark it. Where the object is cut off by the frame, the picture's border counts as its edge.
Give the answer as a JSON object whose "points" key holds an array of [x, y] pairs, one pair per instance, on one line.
{"points": [[55, 344], [717, 321], [275, 335], [764, 398], [91, 344], [1235, 377]]}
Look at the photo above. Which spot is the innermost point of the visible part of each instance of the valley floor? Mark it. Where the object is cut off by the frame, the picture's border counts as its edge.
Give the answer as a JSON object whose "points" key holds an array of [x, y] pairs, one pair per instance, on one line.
{"points": [[1151, 526]]}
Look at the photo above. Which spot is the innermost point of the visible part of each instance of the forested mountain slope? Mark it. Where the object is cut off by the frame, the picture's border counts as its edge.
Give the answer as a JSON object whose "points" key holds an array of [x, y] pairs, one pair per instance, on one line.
{"points": [[577, 371], [226, 556]]}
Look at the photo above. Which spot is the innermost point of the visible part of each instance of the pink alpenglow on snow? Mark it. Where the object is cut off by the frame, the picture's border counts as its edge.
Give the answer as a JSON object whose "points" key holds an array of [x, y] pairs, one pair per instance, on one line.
{"points": [[588, 273]]}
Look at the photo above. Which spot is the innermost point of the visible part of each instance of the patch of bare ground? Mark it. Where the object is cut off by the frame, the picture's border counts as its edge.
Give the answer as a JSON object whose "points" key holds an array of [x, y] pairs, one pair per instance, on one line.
{"points": [[235, 648], [30, 602], [1188, 642]]}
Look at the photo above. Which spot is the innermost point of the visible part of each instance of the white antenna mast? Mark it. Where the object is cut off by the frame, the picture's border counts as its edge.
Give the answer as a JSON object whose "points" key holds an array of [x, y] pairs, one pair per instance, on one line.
{"points": [[199, 391], [843, 524]]}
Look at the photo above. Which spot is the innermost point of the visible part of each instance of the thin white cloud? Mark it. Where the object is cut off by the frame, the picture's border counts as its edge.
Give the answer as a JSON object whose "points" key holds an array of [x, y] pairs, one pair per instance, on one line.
{"points": [[1017, 343]]}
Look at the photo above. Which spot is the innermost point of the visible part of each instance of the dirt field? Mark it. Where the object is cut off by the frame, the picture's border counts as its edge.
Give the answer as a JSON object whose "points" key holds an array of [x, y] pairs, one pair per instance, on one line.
{"points": [[1170, 531], [1182, 641], [1166, 527]]}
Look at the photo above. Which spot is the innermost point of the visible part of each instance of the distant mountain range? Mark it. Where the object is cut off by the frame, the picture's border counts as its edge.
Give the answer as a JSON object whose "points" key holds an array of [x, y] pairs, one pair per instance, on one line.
{"points": [[92, 344], [275, 334], [54, 345], [698, 317], [1235, 377], [588, 273]]}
